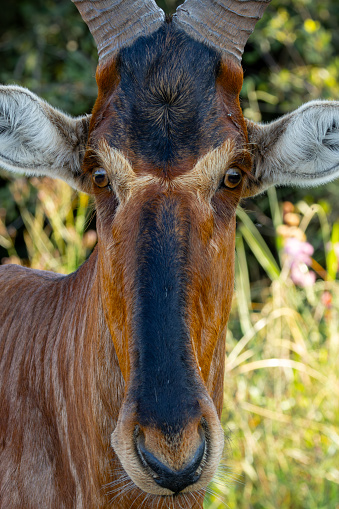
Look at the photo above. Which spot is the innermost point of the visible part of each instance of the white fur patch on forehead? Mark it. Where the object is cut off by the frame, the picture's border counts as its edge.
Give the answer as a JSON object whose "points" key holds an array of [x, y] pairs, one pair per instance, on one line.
{"points": [[210, 169], [119, 170], [203, 179], [117, 166]]}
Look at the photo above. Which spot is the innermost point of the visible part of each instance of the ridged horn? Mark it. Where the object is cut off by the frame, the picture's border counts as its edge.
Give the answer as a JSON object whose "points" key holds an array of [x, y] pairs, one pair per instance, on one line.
{"points": [[224, 24], [117, 23]]}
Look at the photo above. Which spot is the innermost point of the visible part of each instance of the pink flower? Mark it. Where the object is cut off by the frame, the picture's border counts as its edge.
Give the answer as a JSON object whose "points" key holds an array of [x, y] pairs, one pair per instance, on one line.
{"points": [[299, 258], [301, 276], [299, 251]]}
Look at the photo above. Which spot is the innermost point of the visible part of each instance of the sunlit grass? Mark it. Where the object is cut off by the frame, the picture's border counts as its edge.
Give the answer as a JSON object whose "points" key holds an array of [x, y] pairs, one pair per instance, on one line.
{"points": [[55, 232], [281, 411], [281, 402]]}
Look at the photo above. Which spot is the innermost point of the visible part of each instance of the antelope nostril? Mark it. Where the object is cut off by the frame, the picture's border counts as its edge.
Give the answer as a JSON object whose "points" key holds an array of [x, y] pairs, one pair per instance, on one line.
{"points": [[173, 480]]}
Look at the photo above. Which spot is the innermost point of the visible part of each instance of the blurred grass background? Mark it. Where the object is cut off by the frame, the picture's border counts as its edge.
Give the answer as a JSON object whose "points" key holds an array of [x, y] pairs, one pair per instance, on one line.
{"points": [[281, 412]]}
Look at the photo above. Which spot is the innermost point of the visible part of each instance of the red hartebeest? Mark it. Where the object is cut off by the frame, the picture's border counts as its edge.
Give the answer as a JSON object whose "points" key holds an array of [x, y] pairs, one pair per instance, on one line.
{"points": [[111, 377]]}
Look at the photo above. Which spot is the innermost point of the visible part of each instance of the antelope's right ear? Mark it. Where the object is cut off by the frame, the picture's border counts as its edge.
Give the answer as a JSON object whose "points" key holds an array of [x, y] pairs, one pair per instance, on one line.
{"points": [[299, 149], [37, 139]]}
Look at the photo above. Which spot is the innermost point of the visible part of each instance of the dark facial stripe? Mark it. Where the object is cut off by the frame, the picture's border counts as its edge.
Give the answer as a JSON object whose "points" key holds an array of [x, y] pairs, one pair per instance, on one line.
{"points": [[163, 373]]}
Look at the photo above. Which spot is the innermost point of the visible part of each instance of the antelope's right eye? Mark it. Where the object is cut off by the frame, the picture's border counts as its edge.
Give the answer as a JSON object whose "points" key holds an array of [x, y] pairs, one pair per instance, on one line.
{"points": [[100, 178], [232, 177]]}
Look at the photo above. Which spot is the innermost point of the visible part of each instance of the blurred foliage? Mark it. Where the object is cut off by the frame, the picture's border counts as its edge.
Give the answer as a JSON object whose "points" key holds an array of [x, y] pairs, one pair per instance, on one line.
{"points": [[46, 47], [54, 233], [291, 58]]}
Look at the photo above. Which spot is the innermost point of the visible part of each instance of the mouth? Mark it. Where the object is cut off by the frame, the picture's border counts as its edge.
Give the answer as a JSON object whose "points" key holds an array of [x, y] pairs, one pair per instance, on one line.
{"points": [[167, 460], [174, 480]]}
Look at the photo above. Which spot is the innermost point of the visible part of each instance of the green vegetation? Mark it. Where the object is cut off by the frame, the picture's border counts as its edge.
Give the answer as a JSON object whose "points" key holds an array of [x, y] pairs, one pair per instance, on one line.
{"points": [[281, 414], [282, 375], [54, 233]]}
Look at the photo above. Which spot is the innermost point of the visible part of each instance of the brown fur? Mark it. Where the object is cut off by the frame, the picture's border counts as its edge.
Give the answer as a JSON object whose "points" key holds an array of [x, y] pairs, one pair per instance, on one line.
{"points": [[229, 118]]}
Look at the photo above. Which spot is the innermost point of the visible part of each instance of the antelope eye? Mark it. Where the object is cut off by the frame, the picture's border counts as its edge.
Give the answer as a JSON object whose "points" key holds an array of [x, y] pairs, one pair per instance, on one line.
{"points": [[100, 178], [233, 177]]}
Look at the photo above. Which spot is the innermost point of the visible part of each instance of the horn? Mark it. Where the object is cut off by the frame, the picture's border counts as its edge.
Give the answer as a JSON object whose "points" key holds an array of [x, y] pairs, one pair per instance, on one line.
{"points": [[117, 23], [224, 24]]}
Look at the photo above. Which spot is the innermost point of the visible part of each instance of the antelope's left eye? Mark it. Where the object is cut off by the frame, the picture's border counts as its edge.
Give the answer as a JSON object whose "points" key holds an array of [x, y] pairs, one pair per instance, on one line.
{"points": [[233, 177], [100, 177]]}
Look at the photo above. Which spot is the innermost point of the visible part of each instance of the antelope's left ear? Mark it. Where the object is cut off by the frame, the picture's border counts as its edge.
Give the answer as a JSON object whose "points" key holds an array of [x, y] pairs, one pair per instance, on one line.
{"points": [[299, 149], [37, 139]]}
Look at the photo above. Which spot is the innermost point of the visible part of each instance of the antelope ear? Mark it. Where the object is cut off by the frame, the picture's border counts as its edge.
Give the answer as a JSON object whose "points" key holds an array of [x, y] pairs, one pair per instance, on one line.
{"points": [[299, 149], [37, 139]]}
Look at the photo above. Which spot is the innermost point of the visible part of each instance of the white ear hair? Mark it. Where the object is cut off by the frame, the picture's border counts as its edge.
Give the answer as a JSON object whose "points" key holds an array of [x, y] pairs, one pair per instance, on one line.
{"points": [[37, 139], [300, 149]]}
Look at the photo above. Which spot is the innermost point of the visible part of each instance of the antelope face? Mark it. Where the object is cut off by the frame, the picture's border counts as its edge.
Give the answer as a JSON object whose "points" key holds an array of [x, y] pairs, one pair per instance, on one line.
{"points": [[168, 160]]}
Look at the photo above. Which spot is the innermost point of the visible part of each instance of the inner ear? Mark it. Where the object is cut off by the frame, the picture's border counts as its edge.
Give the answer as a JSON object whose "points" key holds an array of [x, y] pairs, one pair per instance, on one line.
{"points": [[37, 139], [299, 149]]}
